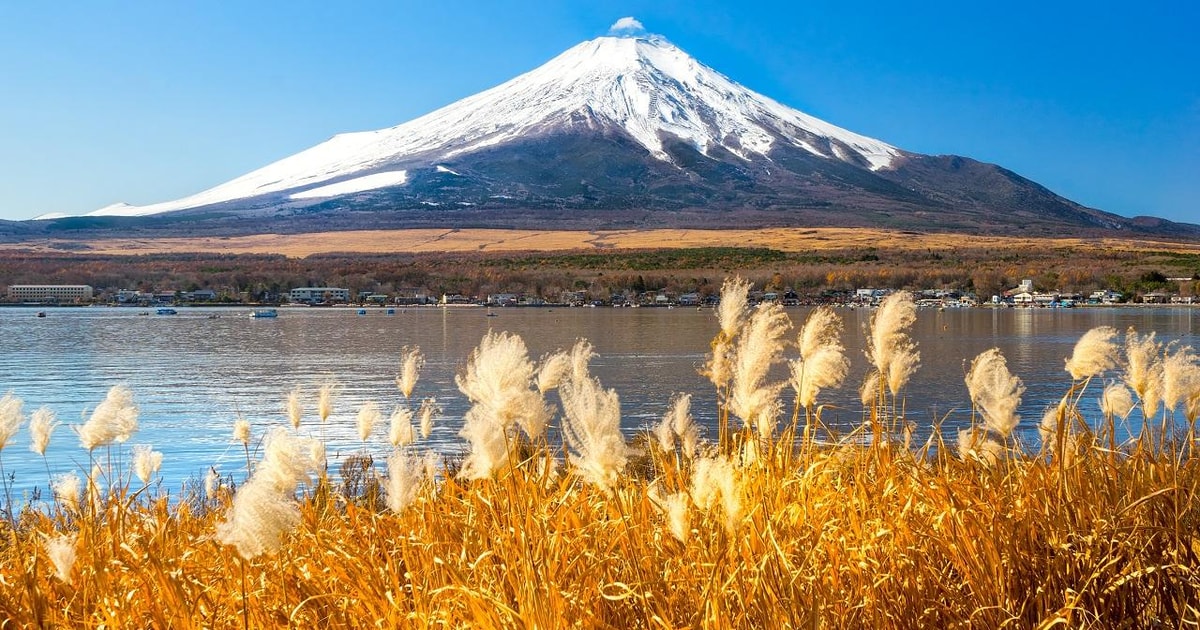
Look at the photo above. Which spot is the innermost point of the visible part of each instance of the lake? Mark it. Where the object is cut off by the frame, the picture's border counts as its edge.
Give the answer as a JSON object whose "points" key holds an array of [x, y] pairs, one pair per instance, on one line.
{"points": [[193, 373]]}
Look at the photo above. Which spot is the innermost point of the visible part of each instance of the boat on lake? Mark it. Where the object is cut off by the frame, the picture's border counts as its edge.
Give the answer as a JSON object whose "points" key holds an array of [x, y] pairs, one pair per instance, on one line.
{"points": [[166, 311], [264, 313]]}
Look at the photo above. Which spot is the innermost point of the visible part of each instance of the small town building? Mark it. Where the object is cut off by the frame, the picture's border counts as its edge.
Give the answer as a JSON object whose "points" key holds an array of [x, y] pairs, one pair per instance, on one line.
{"points": [[319, 295], [50, 292]]}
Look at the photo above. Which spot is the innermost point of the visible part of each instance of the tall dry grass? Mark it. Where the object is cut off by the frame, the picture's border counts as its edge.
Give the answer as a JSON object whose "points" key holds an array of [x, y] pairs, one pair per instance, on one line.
{"points": [[755, 527]]}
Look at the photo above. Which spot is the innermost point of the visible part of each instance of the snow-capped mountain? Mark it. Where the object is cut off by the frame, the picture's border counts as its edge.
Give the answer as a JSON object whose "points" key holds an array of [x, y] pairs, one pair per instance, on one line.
{"points": [[626, 131], [644, 86]]}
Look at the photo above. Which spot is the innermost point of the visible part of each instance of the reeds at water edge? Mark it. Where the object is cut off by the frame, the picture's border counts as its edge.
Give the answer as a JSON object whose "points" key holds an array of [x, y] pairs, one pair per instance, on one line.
{"points": [[554, 517]]}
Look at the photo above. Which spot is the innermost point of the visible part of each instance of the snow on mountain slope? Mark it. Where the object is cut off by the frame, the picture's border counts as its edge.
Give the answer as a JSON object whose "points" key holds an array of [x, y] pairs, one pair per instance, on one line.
{"points": [[644, 86], [358, 184]]}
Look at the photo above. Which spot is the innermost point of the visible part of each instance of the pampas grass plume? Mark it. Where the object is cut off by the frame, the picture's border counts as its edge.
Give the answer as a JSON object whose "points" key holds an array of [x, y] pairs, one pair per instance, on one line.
{"points": [[325, 397], [289, 460], [211, 483], [704, 490], [889, 346], [1144, 370], [869, 390], [368, 417], [411, 362], [554, 367], [498, 380], [1116, 401], [489, 445], [679, 516], [733, 307], [684, 425], [1053, 416], [822, 362], [664, 434], [61, 551], [1094, 354], [294, 407], [241, 431], [974, 443], [66, 488], [731, 315], [431, 461], [592, 423], [1181, 377], [429, 407], [10, 418], [258, 519], [115, 419], [41, 427], [146, 462], [995, 391], [760, 346], [405, 473], [678, 426], [264, 508], [715, 480], [400, 432]]}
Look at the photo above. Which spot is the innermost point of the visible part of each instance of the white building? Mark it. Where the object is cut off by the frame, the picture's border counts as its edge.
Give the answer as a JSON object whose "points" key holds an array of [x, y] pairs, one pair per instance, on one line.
{"points": [[319, 295], [50, 292]]}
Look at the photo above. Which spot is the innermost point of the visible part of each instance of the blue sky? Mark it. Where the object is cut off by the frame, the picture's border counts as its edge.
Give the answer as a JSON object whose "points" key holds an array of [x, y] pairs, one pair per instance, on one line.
{"points": [[151, 101]]}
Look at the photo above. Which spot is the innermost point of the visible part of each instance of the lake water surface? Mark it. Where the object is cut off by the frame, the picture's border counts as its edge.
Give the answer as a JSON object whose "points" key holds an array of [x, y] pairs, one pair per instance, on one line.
{"points": [[193, 374]]}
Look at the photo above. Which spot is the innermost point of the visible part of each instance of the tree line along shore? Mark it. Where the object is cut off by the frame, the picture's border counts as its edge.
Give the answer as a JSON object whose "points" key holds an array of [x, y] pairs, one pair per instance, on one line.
{"points": [[620, 276]]}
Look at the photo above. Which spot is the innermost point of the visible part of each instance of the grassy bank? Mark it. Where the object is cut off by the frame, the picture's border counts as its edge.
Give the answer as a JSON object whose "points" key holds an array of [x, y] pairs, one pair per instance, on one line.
{"points": [[545, 264]]}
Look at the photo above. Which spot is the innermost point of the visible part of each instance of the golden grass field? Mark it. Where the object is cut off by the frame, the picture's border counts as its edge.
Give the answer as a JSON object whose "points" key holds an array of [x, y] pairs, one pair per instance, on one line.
{"points": [[492, 240], [774, 522]]}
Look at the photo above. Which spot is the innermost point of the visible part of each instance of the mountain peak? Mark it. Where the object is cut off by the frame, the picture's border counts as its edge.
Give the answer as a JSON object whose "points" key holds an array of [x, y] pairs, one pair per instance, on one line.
{"points": [[628, 82], [626, 131]]}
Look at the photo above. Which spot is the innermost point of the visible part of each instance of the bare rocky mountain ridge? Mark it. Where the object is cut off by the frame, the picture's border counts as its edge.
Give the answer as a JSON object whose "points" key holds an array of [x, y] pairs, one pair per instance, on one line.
{"points": [[616, 133]]}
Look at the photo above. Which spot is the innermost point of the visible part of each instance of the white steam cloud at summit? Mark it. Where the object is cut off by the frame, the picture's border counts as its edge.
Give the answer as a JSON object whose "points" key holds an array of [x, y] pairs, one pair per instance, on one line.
{"points": [[626, 25]]}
